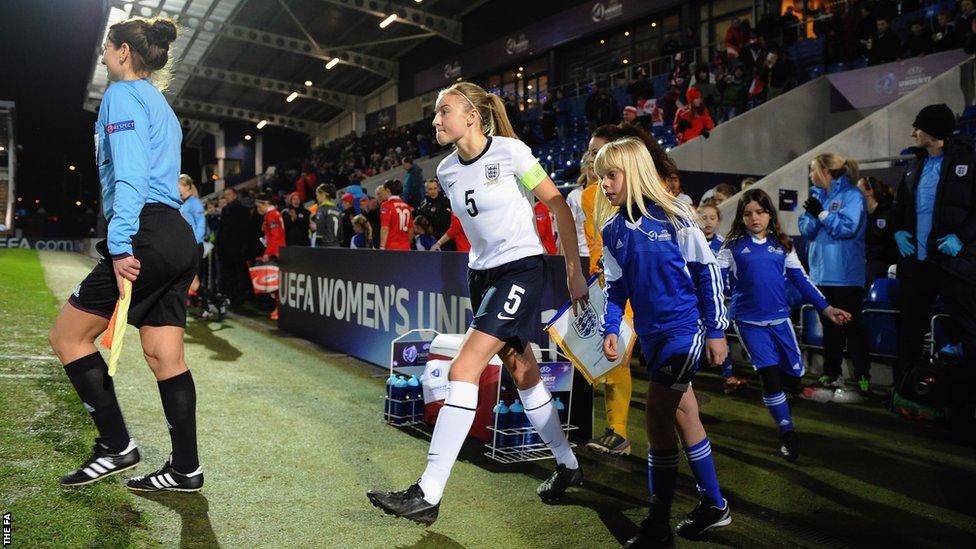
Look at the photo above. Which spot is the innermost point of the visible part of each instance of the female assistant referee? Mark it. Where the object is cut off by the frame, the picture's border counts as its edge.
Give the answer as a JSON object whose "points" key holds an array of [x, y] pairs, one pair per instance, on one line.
{"points": [[137, 149], [489, 179]]}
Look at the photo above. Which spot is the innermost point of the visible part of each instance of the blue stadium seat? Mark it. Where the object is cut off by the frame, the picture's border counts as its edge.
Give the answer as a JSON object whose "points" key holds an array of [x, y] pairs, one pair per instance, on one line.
{"points": [[836, 67], [881, 329], [815, 71], [811, 330], [883, 293], [860, 63]]}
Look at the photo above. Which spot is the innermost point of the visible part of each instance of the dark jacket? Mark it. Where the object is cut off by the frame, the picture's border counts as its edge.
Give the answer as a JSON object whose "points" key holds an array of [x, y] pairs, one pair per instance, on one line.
{"points": [[296, 231], [235, 232], [438, 211], [954, 212], [885, 48]]}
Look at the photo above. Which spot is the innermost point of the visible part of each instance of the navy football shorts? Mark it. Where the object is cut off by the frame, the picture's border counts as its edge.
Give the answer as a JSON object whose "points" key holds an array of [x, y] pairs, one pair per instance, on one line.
{"points": [[507, 300]]}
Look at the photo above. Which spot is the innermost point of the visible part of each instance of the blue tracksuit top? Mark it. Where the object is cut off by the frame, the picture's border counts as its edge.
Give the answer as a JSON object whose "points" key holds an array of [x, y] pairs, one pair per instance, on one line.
{"points": [[670, 276], [757, 272], [137, 150], [192, 212], [836, 236]]}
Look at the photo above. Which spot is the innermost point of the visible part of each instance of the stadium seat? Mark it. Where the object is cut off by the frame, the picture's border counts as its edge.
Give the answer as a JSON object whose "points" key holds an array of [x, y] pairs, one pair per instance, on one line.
{"points": [[811, 330], [881, 329], [939, 335], [836, 67], [883, 293]]}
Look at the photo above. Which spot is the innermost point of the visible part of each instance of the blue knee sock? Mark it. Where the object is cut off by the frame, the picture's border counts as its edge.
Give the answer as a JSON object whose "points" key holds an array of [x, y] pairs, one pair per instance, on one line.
{"points": [[780, 410], [662, 475], [703, 467], [727, 367]]}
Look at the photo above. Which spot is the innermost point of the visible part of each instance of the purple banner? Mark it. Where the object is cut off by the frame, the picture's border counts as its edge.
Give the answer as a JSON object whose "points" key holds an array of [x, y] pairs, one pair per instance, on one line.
{"points": [[882, 84], [535, 39]]}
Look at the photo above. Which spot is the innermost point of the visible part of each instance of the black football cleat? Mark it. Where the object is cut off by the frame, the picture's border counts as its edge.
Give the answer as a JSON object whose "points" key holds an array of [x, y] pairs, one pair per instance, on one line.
{"points": [[409, 504], [103, 463], [791, 446], [167, 479], [703, 518], [561, 480], [655, 531]]}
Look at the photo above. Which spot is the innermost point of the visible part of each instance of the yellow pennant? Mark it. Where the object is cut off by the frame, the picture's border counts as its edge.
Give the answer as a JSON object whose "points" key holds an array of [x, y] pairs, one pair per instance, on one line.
{"points": [[112, 338]]}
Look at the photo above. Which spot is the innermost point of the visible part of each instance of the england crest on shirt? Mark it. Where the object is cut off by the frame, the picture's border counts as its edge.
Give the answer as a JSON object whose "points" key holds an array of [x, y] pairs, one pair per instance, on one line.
{"points": [[962, 170], [881, 223], [491, 172], [834, 207]]}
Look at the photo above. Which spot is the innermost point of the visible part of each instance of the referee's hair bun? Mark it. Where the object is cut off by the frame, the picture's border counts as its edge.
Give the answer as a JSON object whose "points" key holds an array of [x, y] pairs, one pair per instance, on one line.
{"points": [[161, 33]]}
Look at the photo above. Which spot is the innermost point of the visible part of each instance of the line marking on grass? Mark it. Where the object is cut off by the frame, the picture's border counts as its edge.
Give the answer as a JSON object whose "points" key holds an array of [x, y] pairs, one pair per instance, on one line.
{"points": [[26, 376], [29, 357]]}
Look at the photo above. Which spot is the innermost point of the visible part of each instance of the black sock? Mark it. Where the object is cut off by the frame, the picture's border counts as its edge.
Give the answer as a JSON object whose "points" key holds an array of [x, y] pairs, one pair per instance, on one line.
{"points": [[94, 386], [179, 396]]}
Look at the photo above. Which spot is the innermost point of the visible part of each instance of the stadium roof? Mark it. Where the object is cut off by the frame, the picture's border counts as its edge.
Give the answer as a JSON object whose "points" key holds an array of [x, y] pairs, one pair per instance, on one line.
{"points": [[241, 59]]}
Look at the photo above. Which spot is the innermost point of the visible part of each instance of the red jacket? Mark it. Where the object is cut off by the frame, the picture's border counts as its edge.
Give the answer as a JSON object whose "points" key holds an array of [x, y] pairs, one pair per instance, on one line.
{"points": [[543, 222], [696, 124], [274, 232], [456, 232]]}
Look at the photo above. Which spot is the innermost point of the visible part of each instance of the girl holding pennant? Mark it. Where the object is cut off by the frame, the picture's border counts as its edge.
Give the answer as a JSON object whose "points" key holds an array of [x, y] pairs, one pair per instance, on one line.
{"points": [[490, 179], [655, 255], [148, 262]]}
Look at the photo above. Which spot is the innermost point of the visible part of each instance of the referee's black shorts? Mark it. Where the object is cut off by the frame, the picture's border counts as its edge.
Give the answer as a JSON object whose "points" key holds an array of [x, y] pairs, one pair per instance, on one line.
{"points": [[507, 300], [168, 256]]}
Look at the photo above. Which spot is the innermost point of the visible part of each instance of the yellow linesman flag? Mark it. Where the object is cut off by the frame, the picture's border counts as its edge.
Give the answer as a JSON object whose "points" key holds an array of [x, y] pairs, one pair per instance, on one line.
{"points": [[112, 338]]}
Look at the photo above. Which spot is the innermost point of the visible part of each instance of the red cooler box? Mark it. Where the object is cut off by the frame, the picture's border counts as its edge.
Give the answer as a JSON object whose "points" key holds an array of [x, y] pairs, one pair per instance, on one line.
{"points": [[442, 351]]}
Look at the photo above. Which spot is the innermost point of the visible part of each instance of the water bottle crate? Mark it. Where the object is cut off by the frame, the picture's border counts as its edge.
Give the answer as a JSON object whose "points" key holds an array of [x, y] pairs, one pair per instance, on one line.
{"points": [[503, 450], [402, 412]]}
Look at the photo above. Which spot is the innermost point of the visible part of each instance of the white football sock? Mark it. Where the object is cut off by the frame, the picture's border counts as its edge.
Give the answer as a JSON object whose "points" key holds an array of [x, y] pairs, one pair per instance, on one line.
{"points": [[453, 423], [545, 419]]}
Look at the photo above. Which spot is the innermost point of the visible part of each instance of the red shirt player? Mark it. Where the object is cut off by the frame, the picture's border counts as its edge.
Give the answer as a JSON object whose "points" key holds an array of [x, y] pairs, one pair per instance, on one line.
{"points": [[274, 227], [543, 223], [396, 219], [456, 232]]}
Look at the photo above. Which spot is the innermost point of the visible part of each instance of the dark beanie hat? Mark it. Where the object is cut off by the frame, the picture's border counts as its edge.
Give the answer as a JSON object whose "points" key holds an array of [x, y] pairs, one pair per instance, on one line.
{"points": [[936, 120]]}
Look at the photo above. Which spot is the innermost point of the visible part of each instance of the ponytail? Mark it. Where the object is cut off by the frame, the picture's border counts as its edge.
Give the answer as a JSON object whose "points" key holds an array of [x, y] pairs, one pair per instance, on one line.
{"points": [[490, 107], [852, 169]]}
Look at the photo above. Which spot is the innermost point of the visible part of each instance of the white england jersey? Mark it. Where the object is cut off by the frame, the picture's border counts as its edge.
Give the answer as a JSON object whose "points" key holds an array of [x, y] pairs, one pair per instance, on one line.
{"points": [[491, 195]]}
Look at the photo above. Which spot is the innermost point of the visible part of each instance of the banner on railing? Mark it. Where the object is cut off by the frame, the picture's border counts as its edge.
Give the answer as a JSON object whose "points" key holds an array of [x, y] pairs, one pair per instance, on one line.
{"points": [[359, 301]]}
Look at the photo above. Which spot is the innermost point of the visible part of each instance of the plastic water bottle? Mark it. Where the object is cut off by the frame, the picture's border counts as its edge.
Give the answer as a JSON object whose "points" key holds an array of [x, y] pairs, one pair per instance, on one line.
{"points": [[561, 410], [388, 405], [416, 397], [500, 415], [400, 393], [518, 420]]}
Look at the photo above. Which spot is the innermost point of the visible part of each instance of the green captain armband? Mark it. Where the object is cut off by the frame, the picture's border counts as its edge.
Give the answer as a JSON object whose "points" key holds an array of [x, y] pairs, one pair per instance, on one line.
{"points": [[531, 179]]}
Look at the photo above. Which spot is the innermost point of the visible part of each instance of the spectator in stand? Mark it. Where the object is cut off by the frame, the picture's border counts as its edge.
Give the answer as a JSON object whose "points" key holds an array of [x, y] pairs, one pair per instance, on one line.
{"points": [[641, 88], [274, 236], [456, 234], [918, 42], [563, 113], [630, 114], [363, 230], [754, 53], [233, 240], [746, 183], [543, 224], [834, 225], [705, 84], [304, 185], [884, 46], [935, 231], [680, 75], [733, 91], [396, 220], [326, 222], [345, 223], [370, 209], [945, 37], [355, 188], [848, 23], [296, 219], [601, 107], [717, 194], [674, 187], [735, 39], [756, 93], [779, 75], [670, 104], [790, 25], [693, 119], [964, 22], [423, 234], [413, 183], [879, 248]]}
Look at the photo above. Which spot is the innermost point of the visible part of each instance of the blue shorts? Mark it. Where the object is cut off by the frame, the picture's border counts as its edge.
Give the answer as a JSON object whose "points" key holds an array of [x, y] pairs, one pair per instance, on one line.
{"points": [[673, 357], [773, 345]]}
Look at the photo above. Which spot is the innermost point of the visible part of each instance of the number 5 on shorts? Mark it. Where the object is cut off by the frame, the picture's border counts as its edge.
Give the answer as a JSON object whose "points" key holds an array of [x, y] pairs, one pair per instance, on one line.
{"points": [[514, 299]]}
